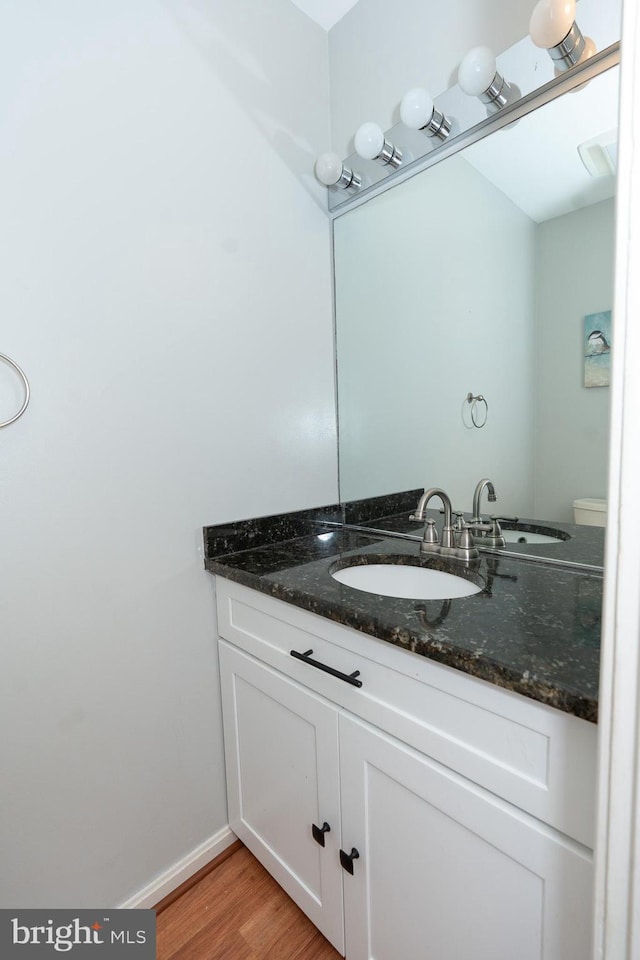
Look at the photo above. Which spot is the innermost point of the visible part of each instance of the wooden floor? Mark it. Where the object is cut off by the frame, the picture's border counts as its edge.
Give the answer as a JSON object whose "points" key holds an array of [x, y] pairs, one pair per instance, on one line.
{"points": [[238, 912]]}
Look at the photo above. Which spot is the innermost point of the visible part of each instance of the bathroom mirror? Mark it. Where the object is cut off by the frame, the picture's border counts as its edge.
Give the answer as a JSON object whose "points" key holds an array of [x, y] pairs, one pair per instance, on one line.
{"points": [[475, 277]]}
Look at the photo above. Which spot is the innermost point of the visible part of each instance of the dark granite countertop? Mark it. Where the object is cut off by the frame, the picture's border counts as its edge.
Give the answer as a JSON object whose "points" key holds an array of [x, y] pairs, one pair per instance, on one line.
{"points": [[534, 628]]}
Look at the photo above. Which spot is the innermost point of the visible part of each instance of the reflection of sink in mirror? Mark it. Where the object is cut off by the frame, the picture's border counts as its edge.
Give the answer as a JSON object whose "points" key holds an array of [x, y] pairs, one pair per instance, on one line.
{"points": [[522, 535], [408, 582]]}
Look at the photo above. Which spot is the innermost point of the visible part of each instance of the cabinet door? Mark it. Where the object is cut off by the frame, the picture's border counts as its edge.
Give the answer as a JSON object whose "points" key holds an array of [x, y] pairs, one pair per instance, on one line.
{"points": [[281, 746], [447, 871]]}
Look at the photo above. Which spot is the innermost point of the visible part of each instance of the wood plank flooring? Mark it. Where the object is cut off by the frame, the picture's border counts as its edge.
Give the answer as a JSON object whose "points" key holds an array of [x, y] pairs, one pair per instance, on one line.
{"points": [[238, 912]]}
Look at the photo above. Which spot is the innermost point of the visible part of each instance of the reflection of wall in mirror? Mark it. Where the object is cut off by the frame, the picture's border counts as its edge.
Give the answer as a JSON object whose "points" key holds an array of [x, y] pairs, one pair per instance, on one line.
{"points": [[428, 309], [575, 258], [416, 332]]}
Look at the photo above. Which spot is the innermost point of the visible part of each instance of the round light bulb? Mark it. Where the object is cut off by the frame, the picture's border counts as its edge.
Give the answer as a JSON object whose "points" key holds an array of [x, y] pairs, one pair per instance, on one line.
{"points": [[328, 168], [551, 21], [416, 108], [477, 71], [369, 141]]}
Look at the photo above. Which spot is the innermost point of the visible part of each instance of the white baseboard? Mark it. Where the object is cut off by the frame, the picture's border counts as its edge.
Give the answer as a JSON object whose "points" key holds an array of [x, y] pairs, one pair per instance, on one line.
{"points": [[167, 882]]}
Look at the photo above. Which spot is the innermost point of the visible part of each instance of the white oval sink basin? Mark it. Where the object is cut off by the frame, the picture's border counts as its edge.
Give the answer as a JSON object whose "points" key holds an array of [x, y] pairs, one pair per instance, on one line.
{"points": [[410, 583], [524, 536]]}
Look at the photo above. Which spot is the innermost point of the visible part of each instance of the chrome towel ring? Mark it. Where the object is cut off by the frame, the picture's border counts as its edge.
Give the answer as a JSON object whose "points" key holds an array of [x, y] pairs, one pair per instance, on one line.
{"points": [[476, 413], [27, 391]]}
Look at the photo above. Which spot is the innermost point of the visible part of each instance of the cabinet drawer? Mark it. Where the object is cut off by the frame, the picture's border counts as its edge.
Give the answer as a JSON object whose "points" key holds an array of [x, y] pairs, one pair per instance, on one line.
{"points": [[538, 758]]}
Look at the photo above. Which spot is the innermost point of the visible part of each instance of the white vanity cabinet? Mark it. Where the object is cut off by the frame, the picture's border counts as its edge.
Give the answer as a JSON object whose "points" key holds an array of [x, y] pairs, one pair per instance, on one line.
{"points": [[468, 809]]}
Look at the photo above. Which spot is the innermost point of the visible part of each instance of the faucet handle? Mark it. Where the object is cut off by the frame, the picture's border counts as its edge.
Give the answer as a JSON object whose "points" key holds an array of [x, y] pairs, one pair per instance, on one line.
{"points": [[430, 533], [493, 537], [458, 523]]}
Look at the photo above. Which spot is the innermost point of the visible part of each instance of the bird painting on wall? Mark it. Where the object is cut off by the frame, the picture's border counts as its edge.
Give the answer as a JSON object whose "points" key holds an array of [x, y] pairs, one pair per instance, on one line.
{"points": [[597, 349]]}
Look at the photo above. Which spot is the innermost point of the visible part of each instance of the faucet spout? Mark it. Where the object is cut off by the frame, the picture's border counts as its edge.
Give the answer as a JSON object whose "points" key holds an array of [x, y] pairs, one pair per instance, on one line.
{"points": [[448, 539], [483, 484]]}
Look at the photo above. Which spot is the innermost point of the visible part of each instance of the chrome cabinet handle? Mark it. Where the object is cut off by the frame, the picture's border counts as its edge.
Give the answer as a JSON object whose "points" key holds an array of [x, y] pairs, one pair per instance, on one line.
{"points": [[347, 677]]}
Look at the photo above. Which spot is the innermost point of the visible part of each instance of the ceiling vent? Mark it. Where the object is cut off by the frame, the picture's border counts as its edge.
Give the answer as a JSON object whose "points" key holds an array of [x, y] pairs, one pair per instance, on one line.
{"points": [[600, 155]]}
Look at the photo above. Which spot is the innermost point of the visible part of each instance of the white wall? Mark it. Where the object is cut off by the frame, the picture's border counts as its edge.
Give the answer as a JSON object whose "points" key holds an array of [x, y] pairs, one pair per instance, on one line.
{"points": [[381, 49], [574, 277], [413, 340], [166, 287]]}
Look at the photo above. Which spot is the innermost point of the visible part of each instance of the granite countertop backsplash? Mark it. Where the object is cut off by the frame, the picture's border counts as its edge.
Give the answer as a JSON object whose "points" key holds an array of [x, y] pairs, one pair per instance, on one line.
{"points": [[534, 628]]}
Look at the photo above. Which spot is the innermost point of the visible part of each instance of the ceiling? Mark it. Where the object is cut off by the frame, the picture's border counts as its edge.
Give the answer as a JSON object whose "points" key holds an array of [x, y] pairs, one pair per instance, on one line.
{"points": [[325, 12]]}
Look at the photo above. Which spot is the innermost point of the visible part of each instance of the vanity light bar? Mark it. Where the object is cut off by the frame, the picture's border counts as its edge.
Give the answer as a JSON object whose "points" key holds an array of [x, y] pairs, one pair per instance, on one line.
{"points": [[402, 151]]}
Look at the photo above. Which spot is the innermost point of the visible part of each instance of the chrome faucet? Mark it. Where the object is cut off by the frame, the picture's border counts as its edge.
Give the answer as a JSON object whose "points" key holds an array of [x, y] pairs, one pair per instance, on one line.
{"points": [[477, 495], [456, 542], [489, 532], [448, 539]]}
